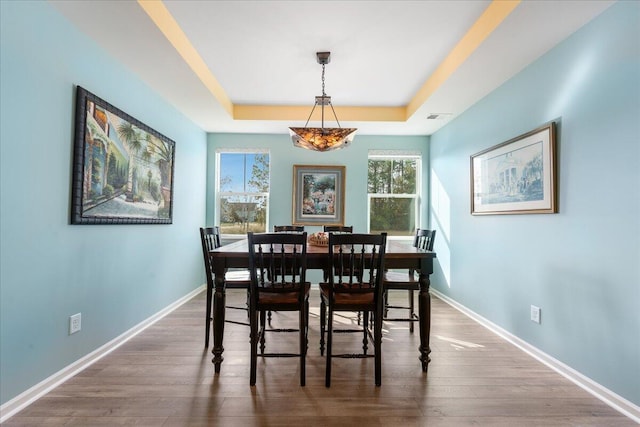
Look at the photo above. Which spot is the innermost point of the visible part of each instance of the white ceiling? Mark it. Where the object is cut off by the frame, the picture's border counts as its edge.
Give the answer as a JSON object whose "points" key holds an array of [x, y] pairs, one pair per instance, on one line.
{"points": [[383, 52]]}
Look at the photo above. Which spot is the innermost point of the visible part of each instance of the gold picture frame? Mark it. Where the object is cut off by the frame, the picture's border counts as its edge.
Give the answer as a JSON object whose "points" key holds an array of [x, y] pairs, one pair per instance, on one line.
{"points": [[318, 195], [517, 176]]}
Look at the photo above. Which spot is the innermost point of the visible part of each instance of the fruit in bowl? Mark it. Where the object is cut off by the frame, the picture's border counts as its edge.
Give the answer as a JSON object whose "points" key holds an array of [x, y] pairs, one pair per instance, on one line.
{"points": [[319, 239]]}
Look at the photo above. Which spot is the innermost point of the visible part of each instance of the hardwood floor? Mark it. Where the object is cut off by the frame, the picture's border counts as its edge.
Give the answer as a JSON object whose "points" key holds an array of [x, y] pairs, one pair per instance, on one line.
{"points": [[164, 377]]}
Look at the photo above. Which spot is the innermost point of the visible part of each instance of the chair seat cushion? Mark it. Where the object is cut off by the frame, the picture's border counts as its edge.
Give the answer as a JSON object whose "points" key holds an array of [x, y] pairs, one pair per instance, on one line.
{"points": [[357, 297], [399, 276], [266, 297], [237, 275], [400, 280], [237, 279]]}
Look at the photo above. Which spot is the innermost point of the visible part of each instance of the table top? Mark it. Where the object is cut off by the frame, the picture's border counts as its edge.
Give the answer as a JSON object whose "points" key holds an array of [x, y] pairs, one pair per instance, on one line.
{"points": [[394, 249]]}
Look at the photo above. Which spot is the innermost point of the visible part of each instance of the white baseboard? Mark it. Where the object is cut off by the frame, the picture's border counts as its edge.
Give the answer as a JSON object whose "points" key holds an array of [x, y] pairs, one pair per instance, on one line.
{"points": [[24, 399], [615, 401]]}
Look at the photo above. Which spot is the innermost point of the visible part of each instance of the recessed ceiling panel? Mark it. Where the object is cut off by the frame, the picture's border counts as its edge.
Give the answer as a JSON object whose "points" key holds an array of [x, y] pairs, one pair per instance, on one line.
{"points": [[263, 52]]}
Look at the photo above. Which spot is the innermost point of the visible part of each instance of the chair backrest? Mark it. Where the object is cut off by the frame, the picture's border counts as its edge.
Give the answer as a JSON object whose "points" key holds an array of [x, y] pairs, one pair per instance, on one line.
{"points": [[357, 261], [268, 253], [210, 239], [424, 239], [288, 228], [211, 236], [338, 229]]}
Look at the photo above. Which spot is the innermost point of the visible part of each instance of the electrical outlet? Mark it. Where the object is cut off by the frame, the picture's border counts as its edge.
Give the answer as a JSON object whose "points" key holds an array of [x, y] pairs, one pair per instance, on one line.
{"points": [[75, 323], [535, 314]]}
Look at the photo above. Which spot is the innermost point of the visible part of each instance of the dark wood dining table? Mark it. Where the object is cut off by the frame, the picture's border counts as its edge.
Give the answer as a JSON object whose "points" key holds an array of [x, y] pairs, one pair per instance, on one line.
{"points": [[399, 255]]}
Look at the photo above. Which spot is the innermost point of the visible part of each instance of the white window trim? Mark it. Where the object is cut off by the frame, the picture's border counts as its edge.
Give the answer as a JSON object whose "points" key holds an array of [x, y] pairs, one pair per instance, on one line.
{"points": [[220, 194], [390, 154], [396, 155]]}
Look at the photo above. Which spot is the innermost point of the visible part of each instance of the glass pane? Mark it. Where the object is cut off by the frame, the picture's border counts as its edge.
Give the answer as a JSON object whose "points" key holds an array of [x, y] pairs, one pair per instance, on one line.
{"points": [[396, 176], [239, 214], [396, 216], [244, 172]]}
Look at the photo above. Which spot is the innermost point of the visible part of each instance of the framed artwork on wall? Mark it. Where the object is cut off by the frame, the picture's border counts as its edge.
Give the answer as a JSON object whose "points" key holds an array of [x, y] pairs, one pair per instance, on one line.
{"points": [[122, 169], [318, 195], [517, 176]]}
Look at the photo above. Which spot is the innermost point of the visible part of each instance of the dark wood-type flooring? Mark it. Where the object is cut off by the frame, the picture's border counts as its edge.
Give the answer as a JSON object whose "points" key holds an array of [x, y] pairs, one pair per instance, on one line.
{"points": [[164, 377]]}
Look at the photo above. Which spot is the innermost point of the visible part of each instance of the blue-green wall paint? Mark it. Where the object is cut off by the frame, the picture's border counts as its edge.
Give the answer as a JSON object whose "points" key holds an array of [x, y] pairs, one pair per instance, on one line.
{"points": [[581, 266], [116, 275], [284, 155]]}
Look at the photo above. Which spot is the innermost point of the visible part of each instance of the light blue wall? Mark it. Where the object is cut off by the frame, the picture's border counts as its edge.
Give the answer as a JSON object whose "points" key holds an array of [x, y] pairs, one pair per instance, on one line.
{"points": [[582, 265], [116, 275], [284, 155]]}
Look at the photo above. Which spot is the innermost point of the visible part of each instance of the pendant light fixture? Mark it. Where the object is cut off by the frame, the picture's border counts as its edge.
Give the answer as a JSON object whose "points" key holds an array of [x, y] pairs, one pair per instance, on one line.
{"points": [[322, 138]]}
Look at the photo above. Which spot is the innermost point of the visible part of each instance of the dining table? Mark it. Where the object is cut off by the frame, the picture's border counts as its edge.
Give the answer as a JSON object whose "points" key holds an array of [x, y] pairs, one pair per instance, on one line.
{"points": [[399, 254]]}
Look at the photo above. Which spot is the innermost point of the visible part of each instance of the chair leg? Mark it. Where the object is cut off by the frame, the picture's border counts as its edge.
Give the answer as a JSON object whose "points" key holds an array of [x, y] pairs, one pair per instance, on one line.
{"points": [[306, 332], [302, 324], [411, 311], [365, 338], [385, 300], [323, 322], [253, 338], [262, 331], [248, 314], [327, 380], [377, 338]]}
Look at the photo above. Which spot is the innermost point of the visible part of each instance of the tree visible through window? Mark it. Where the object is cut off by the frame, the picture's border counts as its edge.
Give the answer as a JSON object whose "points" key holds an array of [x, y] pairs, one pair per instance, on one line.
{"points": [[242, 200], [394, 193]]}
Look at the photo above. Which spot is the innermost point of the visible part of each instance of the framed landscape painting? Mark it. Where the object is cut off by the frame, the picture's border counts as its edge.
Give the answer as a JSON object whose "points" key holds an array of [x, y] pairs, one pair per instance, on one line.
{"points": [[517, 176], [318, 195], [122, 169]]}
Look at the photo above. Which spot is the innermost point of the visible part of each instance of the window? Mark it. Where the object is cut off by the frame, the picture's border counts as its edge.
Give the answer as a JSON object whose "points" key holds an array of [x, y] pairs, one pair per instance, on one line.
{"points": [[393, 182], [242, 191]]}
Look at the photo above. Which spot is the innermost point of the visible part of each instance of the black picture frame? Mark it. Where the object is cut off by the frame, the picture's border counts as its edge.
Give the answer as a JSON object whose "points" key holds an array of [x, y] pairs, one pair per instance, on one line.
{"points": [[122, 169]]}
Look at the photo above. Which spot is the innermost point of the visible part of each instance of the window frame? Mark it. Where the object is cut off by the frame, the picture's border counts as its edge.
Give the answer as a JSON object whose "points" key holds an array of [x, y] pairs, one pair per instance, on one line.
{"points": [[220, 194], [390, 155]]}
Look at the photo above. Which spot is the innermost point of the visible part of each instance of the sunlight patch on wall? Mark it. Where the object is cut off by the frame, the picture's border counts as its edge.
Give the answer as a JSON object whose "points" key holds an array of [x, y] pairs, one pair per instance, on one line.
{"points": [[574, 80], [441, 221]]}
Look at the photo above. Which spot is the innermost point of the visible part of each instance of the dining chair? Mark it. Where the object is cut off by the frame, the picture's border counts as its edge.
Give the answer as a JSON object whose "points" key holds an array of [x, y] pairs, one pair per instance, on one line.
{"points": [[407, 280], [338, 228], [288, 228], [210, 239], [278, 266], [284, 229], [358, 263]]}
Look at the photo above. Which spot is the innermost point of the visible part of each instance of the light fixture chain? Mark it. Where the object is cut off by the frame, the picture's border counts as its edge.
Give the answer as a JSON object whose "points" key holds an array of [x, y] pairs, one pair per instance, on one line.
{"points": [[323, 99], [321, 139]]}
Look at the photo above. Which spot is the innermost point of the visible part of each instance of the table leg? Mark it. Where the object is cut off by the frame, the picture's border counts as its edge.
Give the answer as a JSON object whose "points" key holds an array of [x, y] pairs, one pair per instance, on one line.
{"points": [[219, 297], [424, 309]]}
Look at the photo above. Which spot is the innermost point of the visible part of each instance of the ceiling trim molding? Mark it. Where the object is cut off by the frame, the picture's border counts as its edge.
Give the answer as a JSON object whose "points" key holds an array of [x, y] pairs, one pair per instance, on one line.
{"points": [[490, 19], [166, 23], [298, 112]]}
